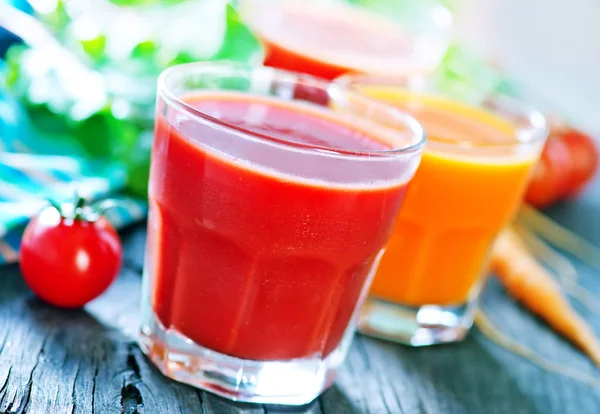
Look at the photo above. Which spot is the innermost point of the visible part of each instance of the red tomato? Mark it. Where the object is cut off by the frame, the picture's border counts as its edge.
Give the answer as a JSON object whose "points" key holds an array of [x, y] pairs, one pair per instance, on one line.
{"points": [[550, 177], [584, 160], [67, 262]]}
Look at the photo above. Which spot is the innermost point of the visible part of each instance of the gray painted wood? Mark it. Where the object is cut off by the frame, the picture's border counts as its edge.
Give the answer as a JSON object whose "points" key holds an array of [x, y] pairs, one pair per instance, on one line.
{"points": [[87, 361]]}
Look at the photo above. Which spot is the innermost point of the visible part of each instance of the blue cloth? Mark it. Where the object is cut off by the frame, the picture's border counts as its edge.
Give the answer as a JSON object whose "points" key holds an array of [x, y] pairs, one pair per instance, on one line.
{"points": [[6, 38], [28, 179]]}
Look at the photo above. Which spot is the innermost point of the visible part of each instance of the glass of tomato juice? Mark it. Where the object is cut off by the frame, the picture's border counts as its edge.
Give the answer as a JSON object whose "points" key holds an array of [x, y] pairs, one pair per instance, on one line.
{"points": [[272, 195], [474, 170], [328, 38]]}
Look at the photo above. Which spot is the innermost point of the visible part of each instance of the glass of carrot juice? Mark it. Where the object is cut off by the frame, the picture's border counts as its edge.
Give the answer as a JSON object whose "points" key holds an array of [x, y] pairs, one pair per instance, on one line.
{"points": [[470, 183], [269, 211], [328, 38]]}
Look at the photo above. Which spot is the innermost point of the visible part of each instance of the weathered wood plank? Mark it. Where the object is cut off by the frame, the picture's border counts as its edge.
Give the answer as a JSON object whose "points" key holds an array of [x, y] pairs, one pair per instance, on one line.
{"points": [[212, 404], [581, 216], [54, 361], [119, 306], [312, 408], [338, 400], [88, 362], [134, 243]]}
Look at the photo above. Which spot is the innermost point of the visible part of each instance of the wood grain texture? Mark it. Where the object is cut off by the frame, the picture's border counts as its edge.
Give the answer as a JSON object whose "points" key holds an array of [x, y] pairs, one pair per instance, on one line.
{"points": [[87, 361]]}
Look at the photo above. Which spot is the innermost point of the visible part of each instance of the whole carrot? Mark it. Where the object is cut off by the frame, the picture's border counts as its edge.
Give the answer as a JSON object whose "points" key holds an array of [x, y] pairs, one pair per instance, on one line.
{"points": [[528, 282]]}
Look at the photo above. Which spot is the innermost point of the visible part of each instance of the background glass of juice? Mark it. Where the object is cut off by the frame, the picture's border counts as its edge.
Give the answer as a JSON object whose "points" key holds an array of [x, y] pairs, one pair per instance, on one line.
{"points": [[470, 183], [272, 195], [328, 38]]}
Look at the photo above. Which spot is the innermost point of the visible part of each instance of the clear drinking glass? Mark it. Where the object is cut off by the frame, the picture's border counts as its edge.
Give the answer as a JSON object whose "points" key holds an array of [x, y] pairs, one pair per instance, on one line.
{"points": [[480, 152], [272, 195], [328, 38]]}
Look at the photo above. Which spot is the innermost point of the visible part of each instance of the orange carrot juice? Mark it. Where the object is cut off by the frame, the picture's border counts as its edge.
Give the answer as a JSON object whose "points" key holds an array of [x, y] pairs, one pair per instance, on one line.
{"points": [[469, 185]]}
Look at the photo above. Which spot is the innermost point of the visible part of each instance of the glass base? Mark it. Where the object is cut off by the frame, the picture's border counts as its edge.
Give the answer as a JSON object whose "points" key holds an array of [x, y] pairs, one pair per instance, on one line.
{"points": [[291, 382], [416, 326]]}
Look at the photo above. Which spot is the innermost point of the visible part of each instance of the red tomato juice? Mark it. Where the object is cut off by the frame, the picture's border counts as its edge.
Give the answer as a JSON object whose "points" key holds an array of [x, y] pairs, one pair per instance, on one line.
{"points": [[251, 263], [329, 40]]}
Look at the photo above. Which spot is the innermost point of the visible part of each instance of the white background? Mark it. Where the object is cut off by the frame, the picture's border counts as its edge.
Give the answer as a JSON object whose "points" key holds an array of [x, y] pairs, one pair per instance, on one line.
{"points": [[551, 47]]}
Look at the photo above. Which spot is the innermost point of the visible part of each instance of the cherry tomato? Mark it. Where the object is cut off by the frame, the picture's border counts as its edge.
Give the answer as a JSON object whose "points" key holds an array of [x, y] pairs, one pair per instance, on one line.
{"points": [[550, 177], [584, 160], [68, 260], [568, 162]]}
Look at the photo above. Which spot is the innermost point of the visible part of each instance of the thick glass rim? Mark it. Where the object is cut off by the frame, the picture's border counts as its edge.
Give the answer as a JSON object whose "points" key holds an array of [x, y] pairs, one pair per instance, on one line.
{"points": [[414, 128], [537, 132]]}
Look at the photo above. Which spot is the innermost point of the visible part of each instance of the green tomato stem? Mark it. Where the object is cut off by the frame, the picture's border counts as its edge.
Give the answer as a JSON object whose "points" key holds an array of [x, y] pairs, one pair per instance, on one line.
{"points": [[78, 207], [55, 205]]}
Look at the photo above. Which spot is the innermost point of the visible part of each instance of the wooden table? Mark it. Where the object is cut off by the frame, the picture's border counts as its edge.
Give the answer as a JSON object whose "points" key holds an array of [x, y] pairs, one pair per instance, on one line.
{"points": [[54, 361]]}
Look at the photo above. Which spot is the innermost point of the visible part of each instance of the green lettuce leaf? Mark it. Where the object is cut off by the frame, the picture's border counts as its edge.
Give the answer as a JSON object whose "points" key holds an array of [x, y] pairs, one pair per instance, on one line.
{"points": [[84, 109]]}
